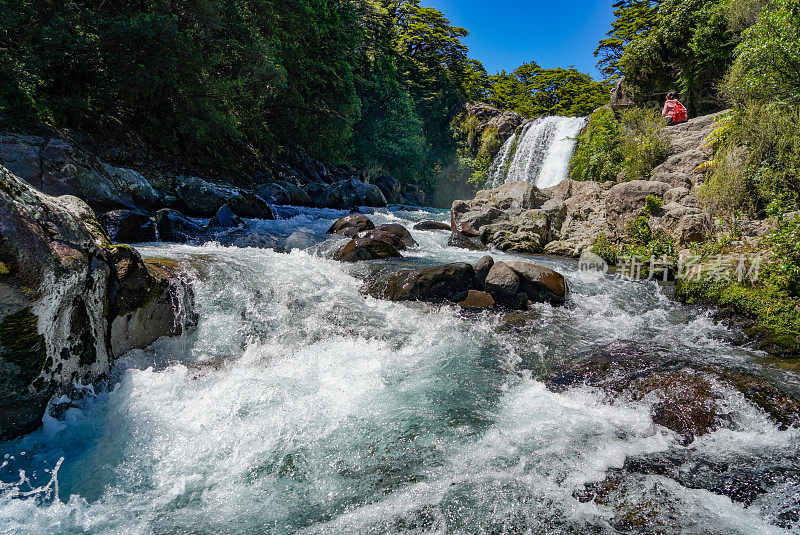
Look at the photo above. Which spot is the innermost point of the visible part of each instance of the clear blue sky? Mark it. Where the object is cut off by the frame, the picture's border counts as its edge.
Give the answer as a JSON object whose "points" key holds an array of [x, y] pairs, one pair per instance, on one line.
{"points": [[506, 33]]}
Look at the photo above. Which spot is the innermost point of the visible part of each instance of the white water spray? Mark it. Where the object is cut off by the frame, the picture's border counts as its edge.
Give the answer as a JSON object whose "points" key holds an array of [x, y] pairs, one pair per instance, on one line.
{"points": [[542, 154]]}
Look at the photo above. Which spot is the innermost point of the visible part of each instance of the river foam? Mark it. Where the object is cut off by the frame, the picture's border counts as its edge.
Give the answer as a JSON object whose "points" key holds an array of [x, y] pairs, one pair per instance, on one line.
{"points": [[302, 406]]}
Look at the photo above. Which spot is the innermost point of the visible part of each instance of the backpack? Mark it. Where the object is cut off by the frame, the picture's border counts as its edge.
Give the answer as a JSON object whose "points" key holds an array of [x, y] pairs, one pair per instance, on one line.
{"points": [[680, 115]]}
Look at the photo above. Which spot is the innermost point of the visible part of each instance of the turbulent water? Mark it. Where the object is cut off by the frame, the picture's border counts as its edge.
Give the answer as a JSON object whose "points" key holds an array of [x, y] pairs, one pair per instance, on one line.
{"points": [[301, 406], [540, 155]]}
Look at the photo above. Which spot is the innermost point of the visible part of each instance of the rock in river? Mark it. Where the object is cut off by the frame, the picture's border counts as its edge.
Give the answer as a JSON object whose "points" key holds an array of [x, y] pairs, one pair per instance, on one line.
{"points": [[435, 284]]}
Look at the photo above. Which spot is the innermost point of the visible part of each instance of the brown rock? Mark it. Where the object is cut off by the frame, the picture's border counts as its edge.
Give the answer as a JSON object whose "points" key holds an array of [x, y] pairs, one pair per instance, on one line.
{"points": [[351, 225], [501, 281], [477, 299], [540, 283], [429, 284], [359, 249]]}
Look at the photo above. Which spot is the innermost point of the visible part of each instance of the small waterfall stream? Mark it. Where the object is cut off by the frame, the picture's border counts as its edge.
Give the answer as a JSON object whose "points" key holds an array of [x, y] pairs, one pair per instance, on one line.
{"points": [[540, 154]]}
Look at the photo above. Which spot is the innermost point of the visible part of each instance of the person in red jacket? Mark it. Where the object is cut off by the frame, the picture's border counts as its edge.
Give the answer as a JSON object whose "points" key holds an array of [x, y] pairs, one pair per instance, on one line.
{"points": [[674, 111]]}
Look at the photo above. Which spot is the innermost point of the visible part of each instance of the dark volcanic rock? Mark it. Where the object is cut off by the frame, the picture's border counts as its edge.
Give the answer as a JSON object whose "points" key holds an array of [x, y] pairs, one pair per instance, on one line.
{"points": [[540, 283], [401, 232], [464, 242], [482, 269], [64, 287], [204, 199], [477, 299], [174, 226], [502, 282], [435, 284], [366, 249], [128, 226], [225, 218], [389, 186], [431, 225], [351, 225]]}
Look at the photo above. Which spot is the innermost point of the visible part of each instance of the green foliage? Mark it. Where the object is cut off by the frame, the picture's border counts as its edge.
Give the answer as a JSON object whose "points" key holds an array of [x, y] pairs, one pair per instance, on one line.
{"points": [[533, 91], [783, 270], [639, 231], [605, 249], [597, 155], [756, 161], [767, 65], [642, 144], [632, 19], [652, 204]]}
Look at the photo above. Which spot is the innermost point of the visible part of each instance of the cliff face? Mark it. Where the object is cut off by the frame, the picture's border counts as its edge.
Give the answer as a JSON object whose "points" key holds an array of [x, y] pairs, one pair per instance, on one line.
{"points": [[65, 292], [567, 219]]}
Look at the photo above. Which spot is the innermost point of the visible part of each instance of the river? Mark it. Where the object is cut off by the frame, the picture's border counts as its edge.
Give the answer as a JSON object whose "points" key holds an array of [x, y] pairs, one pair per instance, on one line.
{"points": [[301, 406]]}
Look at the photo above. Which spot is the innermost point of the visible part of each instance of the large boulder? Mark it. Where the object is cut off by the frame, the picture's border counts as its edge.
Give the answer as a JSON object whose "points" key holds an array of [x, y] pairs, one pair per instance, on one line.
{"points": [[204, 199], [431, 225], [281, 192], [434, 284], [173, 226], [389, 186], [58, 167], [369, 248], [413, 195], [128, 226], [625, 201], [400, 232], [353, 193], [513, 197], [539, 283], [225, 219], [63, 284], [501, 281], [351, 225]]}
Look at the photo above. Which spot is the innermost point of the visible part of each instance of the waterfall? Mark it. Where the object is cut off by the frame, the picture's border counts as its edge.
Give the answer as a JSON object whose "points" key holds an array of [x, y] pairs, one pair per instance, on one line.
{"points": [[540, 154]]}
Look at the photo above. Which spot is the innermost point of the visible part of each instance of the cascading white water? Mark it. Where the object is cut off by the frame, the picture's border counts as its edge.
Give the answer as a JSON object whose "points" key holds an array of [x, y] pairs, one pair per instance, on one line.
{"points": [[542, 154], [300, 406]]}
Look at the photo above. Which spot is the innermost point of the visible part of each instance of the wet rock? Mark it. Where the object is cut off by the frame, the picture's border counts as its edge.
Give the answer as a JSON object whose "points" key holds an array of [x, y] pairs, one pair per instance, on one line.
{"points": [[63, 283], [351, 225], [482, 269], [413, 195], [539, 283], [225, 218], [284, 193], [389, 186], [128, 226], [431, 225], [204, 199], [247, 239], [512, 197], [465, 242], [502, 282], [434, 284], [621, 96], [58, 167], [353, 193], [400, 232], [173, 226], [477, 299], [359, 249]]}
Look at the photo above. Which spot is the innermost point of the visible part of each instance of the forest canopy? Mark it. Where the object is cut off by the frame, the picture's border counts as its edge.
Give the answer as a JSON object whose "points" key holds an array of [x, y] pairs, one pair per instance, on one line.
{"points": [[371, 83]]}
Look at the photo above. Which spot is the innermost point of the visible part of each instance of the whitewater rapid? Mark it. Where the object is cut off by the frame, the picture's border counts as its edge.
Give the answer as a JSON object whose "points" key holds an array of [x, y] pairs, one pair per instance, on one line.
{"points": [[302, 406]]}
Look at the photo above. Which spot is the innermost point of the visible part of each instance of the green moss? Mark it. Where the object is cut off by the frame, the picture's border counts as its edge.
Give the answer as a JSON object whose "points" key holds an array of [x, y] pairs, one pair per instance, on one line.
{"points": [[4, 269], [776, 315], [21, 344]]}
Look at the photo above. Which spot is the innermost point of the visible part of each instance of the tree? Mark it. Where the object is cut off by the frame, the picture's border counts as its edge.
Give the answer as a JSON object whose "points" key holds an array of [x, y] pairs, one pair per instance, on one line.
{"points": [[633, 18]]}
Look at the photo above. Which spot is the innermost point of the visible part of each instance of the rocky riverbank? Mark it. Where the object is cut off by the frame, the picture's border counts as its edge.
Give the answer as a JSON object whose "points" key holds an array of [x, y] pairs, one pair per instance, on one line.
{"points": [[71, 301]]}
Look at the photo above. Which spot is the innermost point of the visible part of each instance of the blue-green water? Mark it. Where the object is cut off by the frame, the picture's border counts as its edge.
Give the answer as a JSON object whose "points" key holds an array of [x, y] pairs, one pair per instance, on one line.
{"points": [[302, 406]]}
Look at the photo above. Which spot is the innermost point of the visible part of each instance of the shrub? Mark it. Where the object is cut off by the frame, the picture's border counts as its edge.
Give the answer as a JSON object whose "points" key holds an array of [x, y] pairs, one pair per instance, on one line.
{"points": [[605, 249], [642, 142], [783, 270], [652, 204], [756, 161], [597, 155], [639, 231]]}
